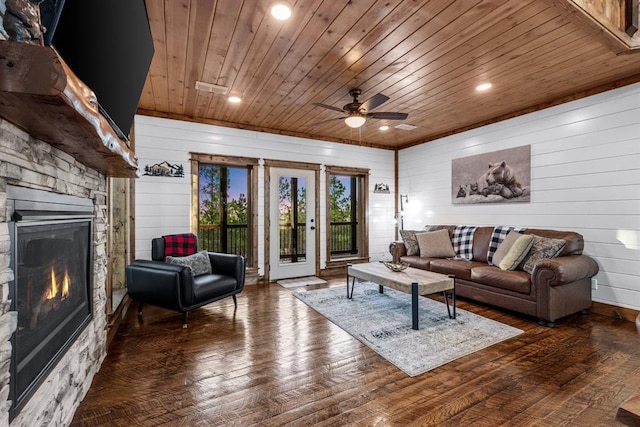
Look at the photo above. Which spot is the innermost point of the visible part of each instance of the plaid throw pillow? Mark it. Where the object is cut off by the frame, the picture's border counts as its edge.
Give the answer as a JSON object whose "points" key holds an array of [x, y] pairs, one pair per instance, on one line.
{"points": [[463, 241], [499, 233], [179, 244]]}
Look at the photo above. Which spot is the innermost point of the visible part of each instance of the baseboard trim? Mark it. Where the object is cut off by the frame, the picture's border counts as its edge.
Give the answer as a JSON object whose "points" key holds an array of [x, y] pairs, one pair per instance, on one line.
{"points": [[614, 311]]}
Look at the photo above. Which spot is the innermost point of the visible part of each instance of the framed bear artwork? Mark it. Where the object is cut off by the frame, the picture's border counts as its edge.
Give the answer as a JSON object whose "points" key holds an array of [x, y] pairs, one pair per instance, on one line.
{"points": [[502, 176]]}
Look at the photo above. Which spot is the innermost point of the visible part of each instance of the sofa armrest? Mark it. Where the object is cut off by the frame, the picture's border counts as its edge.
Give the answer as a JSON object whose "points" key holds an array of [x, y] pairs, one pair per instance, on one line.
{"points": [[397, 250], [159, 283], [565, 269], [229, 265]]}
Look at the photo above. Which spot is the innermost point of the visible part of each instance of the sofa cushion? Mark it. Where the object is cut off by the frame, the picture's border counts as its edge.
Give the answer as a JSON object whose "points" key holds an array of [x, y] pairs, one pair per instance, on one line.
{"points": [[410, 242], [179, 245], [518, 251], [209, 286], [514, 280], [459, 267], [198, 262], [417, 261], [435, 244], [543, 248], [463, 240]]}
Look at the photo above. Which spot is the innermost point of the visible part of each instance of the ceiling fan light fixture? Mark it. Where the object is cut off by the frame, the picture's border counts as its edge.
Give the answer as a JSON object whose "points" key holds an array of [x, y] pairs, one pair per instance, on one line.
{"points": [[281, 10], [355, 121]]}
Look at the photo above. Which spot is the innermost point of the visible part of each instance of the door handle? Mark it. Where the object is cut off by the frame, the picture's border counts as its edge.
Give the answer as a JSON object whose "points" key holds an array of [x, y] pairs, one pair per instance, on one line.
{"points": [[312, 227]]}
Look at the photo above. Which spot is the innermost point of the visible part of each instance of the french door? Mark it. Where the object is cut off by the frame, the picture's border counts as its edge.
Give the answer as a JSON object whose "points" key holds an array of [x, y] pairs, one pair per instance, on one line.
{"points": [[292, 235]]}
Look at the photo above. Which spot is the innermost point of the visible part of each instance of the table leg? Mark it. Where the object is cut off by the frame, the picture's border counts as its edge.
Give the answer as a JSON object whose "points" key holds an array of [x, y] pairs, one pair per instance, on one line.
{"points": [[453, 298], [381, 289], [414, 305]]}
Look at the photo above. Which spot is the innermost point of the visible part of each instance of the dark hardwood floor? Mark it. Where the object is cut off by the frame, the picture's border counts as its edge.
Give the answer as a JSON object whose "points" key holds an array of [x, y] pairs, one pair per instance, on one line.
{"points": [[274, 361]]}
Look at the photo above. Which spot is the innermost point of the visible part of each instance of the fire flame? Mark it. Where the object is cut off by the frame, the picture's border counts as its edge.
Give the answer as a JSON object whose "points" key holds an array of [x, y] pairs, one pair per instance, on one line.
{"points": [[54, 289]]}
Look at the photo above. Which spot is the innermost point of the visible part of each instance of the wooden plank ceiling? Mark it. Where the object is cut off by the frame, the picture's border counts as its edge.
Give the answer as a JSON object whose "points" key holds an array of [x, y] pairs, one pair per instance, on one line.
{"points": [[427, 56]]}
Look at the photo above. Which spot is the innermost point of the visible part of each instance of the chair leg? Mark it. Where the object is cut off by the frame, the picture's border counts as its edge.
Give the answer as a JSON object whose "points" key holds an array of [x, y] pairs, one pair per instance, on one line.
{"points": [[140, 308], [235, 301], [185, 319]]}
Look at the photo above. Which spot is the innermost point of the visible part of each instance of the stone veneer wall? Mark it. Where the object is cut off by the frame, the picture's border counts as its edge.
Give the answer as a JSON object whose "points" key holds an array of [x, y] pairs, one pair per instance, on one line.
{"points": [[28, 162]]}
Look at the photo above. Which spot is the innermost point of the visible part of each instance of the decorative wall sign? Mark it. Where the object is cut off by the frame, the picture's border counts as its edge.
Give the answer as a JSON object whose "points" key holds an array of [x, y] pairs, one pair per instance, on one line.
{"points": [[498, 177], [165, 169], [381, 188]]}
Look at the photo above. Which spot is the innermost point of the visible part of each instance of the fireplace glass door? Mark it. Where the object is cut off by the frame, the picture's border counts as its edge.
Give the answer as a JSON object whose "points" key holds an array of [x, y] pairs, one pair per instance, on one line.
{"points": [[52, 276]]}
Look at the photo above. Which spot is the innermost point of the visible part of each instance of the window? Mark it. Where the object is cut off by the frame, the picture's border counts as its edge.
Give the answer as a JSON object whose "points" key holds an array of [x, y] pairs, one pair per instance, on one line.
{"points": [[346, 213], [223, 202]]}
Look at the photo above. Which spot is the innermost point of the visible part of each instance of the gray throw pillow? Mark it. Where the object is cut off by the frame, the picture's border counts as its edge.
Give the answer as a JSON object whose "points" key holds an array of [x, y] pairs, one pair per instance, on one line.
{"points": [[543, 248], [198, 263], [435, 244], [410, 242]]}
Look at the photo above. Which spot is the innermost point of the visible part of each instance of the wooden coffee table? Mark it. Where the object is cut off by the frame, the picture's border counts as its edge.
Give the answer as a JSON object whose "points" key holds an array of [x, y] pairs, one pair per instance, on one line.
{"points": [[412, 281]]}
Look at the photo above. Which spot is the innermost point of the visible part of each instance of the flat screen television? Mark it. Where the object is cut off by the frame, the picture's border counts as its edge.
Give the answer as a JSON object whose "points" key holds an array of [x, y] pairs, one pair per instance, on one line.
{"points": [[108, 45]]}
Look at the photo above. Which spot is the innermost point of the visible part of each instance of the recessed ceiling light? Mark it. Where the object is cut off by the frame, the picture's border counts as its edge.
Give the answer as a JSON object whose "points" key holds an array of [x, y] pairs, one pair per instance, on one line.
{"points": [[483, 87], [384, 127], [281, 10], [234, 99]]}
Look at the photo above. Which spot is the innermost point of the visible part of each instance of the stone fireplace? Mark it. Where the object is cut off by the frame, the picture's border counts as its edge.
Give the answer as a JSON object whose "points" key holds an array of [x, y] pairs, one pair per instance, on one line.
{"points": [[57, 260]]}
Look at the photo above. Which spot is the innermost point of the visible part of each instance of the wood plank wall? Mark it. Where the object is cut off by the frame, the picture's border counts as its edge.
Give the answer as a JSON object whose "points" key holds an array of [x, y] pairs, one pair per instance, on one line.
{"points": [[585, 176], [163, 204]]}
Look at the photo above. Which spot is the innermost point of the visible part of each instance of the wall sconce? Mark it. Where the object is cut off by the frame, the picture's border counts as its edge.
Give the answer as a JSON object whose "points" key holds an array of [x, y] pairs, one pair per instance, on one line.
{"points": [[404, 198]]}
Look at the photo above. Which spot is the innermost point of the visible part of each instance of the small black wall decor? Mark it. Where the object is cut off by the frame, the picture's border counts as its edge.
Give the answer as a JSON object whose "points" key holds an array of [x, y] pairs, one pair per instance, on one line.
{"points": [[502, 176], [381, 188], [164, 169]]}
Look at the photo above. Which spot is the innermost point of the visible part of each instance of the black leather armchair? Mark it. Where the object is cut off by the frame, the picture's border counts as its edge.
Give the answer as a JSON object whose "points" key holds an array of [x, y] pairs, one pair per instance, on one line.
{"points": [[173, 286]]}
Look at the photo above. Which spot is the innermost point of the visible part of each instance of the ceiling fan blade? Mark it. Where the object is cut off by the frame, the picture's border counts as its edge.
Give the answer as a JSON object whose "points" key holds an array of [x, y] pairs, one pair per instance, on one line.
{"points": [[329, 107], [374, 102], [327, 121], [388, 116]]}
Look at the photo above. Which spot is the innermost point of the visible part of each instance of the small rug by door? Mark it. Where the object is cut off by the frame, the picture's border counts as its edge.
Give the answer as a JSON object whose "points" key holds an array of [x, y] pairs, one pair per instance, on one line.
{"points": [[383, 322], [301, 281]]}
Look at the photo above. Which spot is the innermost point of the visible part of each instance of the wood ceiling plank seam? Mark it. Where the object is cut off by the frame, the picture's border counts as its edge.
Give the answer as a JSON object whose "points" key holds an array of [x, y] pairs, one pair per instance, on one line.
{"points": [[344, 44], [158, 69], [446, 78], [561, 52], [288, 36], [344, 79], [475, 28], [313, 31], [532, 108], [452, 69], [255, 53], [455, 47], [177, 18], [201, 17], [375, 35], [368, 66], [225, 22]]}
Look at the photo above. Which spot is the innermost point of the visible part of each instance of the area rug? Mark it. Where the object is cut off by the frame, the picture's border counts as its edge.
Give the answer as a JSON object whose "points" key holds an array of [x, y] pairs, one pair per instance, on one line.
{"points": [[301, 281], [383, 322]]}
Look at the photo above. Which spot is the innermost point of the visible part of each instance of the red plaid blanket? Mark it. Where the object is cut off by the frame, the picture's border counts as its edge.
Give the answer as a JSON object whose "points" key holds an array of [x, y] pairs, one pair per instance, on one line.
{"points": [[179, 244]]}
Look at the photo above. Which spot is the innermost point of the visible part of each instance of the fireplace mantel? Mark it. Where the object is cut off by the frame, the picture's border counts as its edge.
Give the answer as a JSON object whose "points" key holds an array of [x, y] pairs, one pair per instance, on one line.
{"points": [[42, 96]]}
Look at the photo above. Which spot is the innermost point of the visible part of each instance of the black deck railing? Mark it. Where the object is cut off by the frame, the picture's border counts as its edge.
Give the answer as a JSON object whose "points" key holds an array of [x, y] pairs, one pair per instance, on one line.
{"points": [[210, 238]]}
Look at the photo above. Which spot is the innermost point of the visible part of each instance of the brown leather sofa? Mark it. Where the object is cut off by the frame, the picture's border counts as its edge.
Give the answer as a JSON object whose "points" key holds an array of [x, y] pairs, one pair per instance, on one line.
{"points": [[556, 287]]}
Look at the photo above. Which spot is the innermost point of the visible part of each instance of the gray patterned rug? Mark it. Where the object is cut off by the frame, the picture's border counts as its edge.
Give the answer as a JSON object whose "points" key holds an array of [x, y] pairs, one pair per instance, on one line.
{"points": [[383, 322]]}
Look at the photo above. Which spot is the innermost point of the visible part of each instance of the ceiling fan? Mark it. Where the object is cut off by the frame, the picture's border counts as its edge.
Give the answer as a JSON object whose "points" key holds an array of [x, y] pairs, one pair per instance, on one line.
{"points": [[358, 112]]}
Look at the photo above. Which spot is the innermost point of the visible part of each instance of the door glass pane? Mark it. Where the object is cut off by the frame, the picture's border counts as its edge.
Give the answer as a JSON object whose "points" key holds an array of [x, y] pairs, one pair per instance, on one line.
{"points": [[292, 219], [344, 230], [223, 209]]}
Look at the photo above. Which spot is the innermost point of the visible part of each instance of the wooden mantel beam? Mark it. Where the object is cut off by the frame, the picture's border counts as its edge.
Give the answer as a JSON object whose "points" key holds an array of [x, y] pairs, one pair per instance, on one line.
{"points": [[42, 96]]}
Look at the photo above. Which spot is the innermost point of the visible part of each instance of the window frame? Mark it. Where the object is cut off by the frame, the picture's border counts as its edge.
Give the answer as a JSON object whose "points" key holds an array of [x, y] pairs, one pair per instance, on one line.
{"points": [[362, 176], [251, 164]]}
